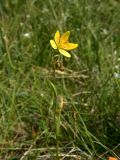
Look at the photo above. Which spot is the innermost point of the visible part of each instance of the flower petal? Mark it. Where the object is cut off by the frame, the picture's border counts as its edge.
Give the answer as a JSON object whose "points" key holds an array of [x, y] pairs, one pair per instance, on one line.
{"points": [[53, 44], [112, 158], [69, 46], [64, 37], [57, 37], [65, 53]]}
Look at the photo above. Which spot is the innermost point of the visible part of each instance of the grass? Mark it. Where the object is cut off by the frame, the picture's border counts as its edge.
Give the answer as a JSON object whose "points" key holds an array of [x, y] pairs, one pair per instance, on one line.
{"points": [[74, 113]]}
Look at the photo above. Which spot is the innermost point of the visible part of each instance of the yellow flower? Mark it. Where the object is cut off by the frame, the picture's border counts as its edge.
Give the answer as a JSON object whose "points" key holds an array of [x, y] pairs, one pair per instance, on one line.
{"points": [[61, 43]]}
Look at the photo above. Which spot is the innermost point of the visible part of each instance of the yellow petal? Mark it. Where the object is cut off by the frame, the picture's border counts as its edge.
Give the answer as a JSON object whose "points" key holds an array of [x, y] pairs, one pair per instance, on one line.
{"points": [[69, 46], [112, 158], [57, 37], [53, 44], [64, 37], [65, 53]]}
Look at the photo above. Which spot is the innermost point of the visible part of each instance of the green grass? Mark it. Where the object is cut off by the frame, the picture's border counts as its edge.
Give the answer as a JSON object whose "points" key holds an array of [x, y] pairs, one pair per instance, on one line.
{"points": [[74, 112]]}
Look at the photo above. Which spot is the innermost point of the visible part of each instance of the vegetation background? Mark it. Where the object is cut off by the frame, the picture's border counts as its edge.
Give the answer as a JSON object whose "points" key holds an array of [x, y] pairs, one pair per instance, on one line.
{"points": [[74, 113]]}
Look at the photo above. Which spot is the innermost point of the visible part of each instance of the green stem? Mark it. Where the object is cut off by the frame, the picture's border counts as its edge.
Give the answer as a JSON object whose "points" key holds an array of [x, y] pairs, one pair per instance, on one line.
{"points": [[56, 120], [57, 128], [8, 53]]}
